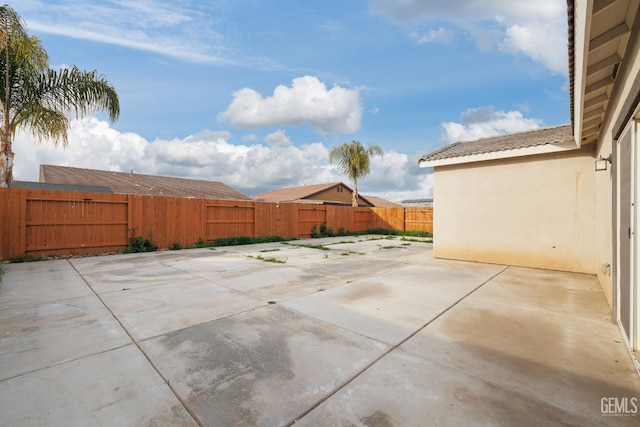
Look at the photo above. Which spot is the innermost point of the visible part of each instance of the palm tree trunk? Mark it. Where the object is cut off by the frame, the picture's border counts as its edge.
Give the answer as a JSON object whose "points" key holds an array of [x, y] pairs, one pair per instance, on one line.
{"points": [[354, 195], [6, 153], [6, 166]]}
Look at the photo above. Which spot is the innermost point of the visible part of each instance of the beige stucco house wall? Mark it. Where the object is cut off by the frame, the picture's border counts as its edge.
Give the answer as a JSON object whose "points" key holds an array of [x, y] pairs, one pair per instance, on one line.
{"points": [[501, 200], [534, 211], [618, 108]]}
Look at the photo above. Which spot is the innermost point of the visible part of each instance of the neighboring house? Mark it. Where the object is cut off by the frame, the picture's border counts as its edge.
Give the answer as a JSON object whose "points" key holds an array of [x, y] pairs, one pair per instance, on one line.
{"points": [[379, 202], [333, 193], [543, 198], [138, 184]]}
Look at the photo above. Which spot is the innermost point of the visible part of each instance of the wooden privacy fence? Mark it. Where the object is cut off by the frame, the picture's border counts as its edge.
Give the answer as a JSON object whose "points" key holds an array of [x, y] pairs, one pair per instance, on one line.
{"points": [[45, 223]]}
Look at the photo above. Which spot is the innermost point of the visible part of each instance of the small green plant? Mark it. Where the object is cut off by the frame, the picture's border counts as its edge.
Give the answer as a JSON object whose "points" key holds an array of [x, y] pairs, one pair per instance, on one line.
{"points": [[342, 232], [410, 239], [312, 246], [1, 273], [201, 243], [322, 231], [175, 246], [139, 244], [270, 250], [340, 242], [270, 259], [26, 258], [325, 256], [246, 240], [392, 247], [351, 252]]}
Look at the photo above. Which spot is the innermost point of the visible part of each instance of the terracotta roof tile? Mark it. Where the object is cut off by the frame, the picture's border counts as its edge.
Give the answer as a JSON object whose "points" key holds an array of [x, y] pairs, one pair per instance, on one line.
{"points": [[512, 141], [134, 183]]}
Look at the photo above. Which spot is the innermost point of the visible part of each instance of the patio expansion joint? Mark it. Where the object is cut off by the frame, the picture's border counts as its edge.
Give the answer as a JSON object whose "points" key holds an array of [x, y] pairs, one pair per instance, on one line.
{"points": [[135, 342], [64, 362], [392, 348]]}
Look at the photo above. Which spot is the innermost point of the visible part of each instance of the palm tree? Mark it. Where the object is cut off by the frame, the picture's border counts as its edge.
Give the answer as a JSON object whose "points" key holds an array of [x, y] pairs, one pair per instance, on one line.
{"points": [[38, 99], [353, 160]]}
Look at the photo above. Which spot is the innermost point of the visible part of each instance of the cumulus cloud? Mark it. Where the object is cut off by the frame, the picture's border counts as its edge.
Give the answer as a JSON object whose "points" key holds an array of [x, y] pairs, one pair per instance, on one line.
{"points": [[482, 122], [537, 29], [441, 35], [252, 168], [307, 101]]}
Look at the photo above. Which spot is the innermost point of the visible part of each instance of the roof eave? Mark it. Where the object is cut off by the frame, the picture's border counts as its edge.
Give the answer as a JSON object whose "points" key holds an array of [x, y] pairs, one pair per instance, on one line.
{"points": [[568, 145]]}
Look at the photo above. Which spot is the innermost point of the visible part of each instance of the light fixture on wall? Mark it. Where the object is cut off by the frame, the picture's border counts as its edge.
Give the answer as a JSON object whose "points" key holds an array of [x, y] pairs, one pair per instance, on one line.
{"points": [[601, 163]]}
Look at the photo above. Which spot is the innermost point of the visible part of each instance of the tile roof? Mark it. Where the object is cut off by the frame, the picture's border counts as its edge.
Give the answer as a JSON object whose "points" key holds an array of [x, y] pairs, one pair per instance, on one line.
{"points": [[512, 141], [301, 193], [294, 193], [27, 185], [379, 202], [134, 183]]}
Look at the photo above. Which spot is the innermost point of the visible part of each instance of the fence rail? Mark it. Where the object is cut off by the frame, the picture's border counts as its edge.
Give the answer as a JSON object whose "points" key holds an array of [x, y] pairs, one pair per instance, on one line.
{"points": [[46, 223]]}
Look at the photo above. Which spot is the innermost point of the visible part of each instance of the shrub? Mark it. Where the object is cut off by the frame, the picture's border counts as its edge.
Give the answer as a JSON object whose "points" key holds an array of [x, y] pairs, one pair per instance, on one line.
{"points": [[322, 231], [139, 244], [175, 246]]}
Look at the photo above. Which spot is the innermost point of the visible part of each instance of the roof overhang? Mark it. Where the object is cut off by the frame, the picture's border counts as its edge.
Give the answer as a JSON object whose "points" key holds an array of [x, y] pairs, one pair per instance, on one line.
{"points": [[498, 155], [599, 32]]}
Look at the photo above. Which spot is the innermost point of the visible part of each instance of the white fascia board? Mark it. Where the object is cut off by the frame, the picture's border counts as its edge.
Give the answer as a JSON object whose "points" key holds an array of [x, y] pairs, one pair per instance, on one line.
{"points": [[582, 11], [497, 155]]}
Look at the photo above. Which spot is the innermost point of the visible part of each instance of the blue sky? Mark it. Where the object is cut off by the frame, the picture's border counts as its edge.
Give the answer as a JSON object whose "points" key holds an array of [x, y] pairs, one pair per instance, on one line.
{"points": [[254, 93]]}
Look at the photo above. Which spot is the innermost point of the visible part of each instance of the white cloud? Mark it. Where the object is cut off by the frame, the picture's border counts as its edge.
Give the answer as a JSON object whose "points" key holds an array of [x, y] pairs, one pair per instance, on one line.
{"points": [[485, 121], [251, 168], [539, 41], [441, 35], [536, 29], [307, 101], [177, 30]]}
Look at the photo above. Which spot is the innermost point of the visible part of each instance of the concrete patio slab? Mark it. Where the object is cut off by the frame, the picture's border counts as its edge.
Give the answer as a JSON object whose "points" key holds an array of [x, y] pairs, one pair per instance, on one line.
{"points": [[37, 336], [537, 351], [263, 367], [38, 282], [114, 388], [406, 390], [154, 310], [389, 337], [391, 306]]}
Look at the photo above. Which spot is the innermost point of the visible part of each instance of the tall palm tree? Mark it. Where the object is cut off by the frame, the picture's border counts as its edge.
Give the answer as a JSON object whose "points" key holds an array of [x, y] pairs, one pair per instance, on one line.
{"points": [[353, 160], [38, 99]]}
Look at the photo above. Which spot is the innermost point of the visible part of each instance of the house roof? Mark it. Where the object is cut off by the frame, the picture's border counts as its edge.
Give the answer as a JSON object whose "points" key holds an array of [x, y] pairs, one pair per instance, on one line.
{"points": [[28, 185], [134, 183], [503, 143], [598, 42], [300, 193], [379, 202]]}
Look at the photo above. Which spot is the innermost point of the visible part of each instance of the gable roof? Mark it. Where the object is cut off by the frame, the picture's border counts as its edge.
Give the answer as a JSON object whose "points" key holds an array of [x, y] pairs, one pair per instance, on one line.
{"points": [[299, 194], [147, 185], [379, 202], [509, 145]]}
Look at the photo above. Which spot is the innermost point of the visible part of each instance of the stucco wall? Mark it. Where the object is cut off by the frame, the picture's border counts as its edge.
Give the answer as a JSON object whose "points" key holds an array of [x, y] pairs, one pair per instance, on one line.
{"points": [[534, 211], [333, 194], [605, 197]]}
